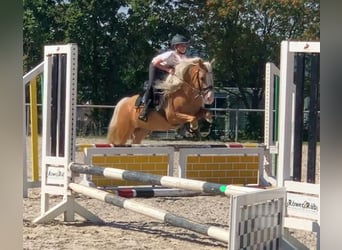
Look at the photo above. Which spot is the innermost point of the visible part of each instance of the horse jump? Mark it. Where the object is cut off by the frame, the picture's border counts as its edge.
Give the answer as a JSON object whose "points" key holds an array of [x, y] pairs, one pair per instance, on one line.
{"points": [[265, 207], [159, 214]]}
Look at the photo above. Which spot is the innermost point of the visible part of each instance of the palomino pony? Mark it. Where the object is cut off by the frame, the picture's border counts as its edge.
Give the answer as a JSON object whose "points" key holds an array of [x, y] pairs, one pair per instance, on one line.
{"points": [[185, 93]]}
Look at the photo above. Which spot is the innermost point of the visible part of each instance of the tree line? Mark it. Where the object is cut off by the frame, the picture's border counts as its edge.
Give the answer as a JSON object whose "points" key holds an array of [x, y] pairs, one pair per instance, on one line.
{"points": [[118, 38]]}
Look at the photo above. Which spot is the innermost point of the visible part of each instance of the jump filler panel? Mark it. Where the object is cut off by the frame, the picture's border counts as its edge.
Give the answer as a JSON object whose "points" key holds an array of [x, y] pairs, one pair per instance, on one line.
{"points": [[222, 165], [218, 165], [158, 161]]}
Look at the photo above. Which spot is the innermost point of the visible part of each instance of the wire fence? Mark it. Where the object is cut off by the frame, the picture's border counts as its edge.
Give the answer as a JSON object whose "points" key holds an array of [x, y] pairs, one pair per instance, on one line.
{"points": [[229, 124]]}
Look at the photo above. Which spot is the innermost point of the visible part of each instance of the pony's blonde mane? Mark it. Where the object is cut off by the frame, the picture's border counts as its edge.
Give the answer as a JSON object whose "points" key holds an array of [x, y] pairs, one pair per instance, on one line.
{"points": [[173, 82]]}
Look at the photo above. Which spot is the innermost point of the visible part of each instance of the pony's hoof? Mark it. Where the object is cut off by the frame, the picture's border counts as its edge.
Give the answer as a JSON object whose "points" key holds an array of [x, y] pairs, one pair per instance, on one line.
{"points": [[209, 117]]}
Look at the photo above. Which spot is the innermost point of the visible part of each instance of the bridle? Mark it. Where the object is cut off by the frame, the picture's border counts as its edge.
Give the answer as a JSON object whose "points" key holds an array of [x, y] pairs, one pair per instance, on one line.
{"points": [[200, 91]]}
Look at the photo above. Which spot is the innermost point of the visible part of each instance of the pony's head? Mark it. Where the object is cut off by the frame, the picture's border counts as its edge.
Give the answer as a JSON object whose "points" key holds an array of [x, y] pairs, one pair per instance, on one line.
{"points": [[208, 98], [201, 82]]}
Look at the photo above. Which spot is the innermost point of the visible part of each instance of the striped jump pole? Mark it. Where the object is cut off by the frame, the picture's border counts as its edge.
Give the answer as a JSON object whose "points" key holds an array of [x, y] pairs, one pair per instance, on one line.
{"points": [[166, 181], [82, 146], [148, 192], [159, 214]]}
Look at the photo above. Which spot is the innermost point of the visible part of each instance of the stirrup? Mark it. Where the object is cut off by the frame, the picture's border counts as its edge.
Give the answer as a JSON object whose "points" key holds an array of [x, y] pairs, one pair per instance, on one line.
{"points": [[142, 118]]}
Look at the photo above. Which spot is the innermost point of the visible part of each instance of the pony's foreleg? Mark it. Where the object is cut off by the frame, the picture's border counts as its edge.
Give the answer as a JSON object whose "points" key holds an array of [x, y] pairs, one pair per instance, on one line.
{"points": [[184, 118], [202, 113], [205, 114]]}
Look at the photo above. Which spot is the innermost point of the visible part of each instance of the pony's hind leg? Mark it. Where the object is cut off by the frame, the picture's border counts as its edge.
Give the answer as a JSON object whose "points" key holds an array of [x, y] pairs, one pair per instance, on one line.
{"points": [[138, 135], [118, 136]]}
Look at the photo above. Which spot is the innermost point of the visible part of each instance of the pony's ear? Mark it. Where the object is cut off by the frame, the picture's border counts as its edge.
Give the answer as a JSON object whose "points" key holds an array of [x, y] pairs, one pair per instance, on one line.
{"points": [[212, 61]]}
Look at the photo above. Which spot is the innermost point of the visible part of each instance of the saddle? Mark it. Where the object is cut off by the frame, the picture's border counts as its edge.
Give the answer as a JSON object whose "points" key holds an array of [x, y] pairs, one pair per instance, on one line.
{"points": [[156, 99]]}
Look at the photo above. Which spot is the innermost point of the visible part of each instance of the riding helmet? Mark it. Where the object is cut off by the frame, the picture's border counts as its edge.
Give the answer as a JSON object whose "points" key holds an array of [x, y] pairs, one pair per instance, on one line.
{"points": [[178, 39]]}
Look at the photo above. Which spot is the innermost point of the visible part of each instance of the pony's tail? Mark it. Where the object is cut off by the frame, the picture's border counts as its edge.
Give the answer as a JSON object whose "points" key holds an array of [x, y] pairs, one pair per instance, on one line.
{"points": [[111, 127], [112, 124]]}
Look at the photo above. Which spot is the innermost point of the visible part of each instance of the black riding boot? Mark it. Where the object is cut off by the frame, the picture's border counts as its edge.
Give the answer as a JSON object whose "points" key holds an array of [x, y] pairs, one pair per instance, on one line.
{"points": [[146, 100], [148, 93]]}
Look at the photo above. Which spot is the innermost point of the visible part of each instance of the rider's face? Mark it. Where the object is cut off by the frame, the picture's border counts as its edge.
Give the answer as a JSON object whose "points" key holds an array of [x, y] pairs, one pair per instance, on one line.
{"points": [[181, 48]]}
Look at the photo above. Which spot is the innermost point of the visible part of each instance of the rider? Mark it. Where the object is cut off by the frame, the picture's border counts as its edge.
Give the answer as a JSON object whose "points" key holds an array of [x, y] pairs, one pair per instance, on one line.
{"points": [[162, 64]]}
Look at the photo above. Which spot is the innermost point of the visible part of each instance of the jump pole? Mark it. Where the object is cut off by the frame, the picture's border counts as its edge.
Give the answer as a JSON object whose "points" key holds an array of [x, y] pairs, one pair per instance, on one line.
{"points": [[159, 214], [149, 191], [166, 181]]}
